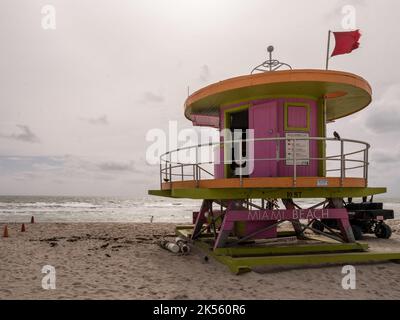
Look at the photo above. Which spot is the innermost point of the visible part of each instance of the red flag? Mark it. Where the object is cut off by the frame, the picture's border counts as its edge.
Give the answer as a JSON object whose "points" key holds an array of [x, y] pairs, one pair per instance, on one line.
{"points": [[346, 42]]}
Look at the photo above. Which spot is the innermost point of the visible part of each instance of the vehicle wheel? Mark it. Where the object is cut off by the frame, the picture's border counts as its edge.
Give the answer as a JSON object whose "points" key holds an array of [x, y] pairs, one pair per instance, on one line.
{"points": [[318, 225], [383, 231], [357, 231]]}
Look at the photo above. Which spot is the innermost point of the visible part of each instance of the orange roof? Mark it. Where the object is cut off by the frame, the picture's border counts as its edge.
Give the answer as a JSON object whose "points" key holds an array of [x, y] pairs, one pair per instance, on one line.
{"points": [[346, 93]]}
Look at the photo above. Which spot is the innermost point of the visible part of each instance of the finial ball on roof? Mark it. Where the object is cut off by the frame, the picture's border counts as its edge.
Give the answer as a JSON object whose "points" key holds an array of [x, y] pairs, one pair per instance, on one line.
{"points": [[270, 48]]}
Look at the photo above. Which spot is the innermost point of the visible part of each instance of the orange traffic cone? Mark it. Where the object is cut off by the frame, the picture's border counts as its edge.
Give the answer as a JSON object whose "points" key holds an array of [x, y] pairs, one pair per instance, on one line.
{"points": [[23, 227], [33, 219], [5, 234]]}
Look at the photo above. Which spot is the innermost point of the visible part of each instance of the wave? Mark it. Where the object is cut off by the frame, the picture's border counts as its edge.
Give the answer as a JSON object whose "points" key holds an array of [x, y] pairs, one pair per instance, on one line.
{"points": [[75, 209], [49, 205]]}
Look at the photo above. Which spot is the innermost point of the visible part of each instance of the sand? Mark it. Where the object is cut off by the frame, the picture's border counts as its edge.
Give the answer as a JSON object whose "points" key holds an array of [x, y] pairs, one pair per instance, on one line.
{"points": [[123, 261]]}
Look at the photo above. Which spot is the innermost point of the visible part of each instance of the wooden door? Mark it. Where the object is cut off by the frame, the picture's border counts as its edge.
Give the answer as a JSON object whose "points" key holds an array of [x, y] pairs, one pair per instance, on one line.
{"points": [[263, 119]]}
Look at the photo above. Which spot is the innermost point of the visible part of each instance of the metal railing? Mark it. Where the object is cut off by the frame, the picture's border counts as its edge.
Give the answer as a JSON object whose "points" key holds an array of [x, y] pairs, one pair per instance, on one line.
{"points": [[172, 169]]}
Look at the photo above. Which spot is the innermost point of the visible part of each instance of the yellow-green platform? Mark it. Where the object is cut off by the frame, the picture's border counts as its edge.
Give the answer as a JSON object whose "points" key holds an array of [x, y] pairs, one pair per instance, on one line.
{"points": [[241, 259]]}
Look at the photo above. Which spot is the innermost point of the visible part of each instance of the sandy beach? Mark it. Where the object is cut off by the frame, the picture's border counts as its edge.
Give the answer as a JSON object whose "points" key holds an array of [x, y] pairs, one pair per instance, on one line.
{"points": [[123, 261]]}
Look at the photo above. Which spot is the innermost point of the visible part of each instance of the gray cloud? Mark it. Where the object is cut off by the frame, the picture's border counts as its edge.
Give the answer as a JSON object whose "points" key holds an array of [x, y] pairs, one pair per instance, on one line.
{"points": [[117, 166], [205, 73], [386, 157], [70, 167], [153, 97], [58, 181], [385, 116], [385, 121], [27, 176], [78, 165], [26, 135], [103, 120]]}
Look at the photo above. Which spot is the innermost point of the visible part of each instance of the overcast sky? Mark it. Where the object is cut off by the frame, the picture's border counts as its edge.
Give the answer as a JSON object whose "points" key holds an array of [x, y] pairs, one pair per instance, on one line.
{"points": [[76, 102]]}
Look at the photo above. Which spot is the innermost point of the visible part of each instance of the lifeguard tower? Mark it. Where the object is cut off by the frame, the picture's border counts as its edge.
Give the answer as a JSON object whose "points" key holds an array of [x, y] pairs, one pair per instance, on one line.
{"points": [[273, 153]]}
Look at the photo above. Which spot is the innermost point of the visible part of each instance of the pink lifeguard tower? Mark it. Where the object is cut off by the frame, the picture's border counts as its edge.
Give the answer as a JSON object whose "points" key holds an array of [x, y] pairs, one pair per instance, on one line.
{"points": [[274, 149]]}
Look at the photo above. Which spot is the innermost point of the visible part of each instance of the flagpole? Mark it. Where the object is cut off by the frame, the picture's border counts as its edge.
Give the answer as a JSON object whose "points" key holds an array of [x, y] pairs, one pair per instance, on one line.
{"points": [[327, 51]]}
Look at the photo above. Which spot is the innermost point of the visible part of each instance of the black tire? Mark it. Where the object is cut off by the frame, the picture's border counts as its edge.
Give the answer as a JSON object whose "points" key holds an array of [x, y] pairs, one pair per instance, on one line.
{"points": [[383, 231], [357, 231], [318, 225]]}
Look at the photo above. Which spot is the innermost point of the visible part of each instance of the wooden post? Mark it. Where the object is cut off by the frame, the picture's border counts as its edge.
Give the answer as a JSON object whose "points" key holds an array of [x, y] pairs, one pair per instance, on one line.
{"points": [[289, 204], [201, 219]]}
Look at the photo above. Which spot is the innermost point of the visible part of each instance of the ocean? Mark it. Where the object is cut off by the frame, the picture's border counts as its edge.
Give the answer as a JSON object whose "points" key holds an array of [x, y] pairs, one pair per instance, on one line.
{"points": [[104, 209]]}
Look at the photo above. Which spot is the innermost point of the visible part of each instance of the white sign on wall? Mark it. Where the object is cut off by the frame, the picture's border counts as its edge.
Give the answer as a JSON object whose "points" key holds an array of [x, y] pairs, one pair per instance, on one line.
{"points": [[302, 149]]}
